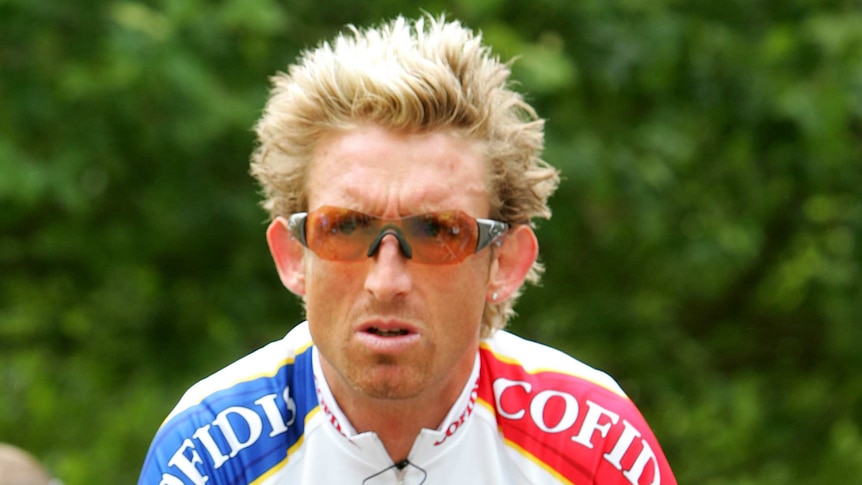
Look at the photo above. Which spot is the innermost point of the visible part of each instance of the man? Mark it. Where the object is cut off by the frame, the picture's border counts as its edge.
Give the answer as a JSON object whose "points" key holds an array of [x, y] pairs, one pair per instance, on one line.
{"points": [[402, 175]]}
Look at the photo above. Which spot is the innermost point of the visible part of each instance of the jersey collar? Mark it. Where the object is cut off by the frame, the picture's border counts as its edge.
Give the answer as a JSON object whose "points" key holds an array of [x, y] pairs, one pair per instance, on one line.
{"points": [[429, 443]]}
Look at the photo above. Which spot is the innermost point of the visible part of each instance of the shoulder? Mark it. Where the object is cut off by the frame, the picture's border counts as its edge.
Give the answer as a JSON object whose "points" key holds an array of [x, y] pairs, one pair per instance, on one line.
{"points": [[248, 415], [569, 418], [505, 351], [261, 365]]}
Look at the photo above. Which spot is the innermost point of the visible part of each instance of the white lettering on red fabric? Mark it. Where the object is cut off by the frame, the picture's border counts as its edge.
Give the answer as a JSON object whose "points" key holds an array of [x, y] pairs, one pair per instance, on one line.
{"points": [[514, 398], [623, 444], [500, 386], [646, 455], [591, 424], [537, 411]]}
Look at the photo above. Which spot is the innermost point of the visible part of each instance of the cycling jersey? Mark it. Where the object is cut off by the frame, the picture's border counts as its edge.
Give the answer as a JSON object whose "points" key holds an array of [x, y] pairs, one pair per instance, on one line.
{"points": [[528, 415]]}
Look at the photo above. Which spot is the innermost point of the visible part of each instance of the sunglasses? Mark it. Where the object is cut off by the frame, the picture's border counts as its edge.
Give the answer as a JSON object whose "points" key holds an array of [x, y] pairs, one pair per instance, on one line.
{"points": [[445, 237]]}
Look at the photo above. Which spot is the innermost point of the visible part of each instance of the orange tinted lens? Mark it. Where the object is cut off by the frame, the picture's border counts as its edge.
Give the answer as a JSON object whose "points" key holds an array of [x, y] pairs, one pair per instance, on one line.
{"points": [[339, 234], [441, 237]]}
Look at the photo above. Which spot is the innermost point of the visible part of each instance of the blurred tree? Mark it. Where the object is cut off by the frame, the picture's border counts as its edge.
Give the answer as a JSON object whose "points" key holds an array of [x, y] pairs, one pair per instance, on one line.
{"points": [[704, 249]]}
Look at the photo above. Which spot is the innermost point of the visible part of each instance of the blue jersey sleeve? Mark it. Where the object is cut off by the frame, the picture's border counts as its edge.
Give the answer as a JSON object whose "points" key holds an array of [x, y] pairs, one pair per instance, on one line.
{"points": [[237, 434]]}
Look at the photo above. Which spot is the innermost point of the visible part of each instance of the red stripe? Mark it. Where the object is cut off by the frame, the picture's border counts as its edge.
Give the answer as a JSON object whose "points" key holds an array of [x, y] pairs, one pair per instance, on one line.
{"points": [[586, 433]]}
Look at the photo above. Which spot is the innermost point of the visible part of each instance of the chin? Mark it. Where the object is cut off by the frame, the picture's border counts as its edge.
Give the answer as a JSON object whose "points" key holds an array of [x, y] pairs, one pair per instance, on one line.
{"points": [[384, 385]]}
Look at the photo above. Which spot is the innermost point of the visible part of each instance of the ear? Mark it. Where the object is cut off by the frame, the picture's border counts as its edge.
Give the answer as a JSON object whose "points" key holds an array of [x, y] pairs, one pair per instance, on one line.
{"points": [[287, 253], [512, 261]]}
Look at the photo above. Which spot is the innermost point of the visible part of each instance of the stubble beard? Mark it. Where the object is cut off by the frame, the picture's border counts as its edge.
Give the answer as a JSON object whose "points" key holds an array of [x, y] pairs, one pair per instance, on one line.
{"points": [[386, 377]]}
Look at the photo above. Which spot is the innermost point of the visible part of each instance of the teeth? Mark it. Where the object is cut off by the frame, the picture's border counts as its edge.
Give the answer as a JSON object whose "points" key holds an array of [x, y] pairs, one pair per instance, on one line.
{"points": [[387, 333]]}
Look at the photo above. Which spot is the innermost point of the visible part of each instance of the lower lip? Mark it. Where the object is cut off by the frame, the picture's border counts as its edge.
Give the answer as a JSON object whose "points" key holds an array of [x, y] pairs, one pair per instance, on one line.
{"points": [[388, 345]]}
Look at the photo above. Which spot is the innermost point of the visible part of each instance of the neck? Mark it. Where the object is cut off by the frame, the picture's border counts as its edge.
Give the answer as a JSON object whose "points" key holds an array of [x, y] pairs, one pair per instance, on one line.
{"points": [[397, 422]]}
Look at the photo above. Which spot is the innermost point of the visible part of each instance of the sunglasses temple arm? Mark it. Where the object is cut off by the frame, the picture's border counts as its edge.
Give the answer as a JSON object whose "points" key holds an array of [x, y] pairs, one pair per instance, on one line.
{"points": [[296, 226], [489, 231]]}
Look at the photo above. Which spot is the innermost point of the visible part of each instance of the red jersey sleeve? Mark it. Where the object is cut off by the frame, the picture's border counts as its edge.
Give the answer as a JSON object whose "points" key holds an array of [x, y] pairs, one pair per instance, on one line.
{"points": [[579, 427]]}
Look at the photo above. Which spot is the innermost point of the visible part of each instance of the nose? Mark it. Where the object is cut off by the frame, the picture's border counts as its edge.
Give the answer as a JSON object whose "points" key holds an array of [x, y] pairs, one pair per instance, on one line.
{"points": [[396, 232], [389, 275]]}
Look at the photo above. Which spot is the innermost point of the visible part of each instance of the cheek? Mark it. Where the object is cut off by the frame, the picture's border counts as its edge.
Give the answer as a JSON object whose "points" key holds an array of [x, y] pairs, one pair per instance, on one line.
{"points": [[462, 291], [328, 288], [322, 274]]}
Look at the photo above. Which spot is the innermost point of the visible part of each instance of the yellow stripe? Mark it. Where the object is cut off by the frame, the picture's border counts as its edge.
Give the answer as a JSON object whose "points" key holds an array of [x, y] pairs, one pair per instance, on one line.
{"points": [[287, 361], [272, 471], [522, 451], [539, 462], [511, 361], [486, 405], [278, 367]]}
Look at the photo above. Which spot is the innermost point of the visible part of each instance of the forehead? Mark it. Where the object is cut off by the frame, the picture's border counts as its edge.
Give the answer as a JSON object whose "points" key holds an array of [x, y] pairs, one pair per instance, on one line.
{"points": [[393, 173]]}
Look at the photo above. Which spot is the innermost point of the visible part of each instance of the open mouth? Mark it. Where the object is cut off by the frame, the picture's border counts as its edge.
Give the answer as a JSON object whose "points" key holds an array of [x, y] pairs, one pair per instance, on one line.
{"points": [[398, 332]]}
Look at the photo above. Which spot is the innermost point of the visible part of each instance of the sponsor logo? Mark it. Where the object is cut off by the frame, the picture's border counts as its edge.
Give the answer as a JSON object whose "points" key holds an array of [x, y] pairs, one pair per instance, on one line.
{"points": [[333, 419], [587, 423], [233, 430], [454, 426]]}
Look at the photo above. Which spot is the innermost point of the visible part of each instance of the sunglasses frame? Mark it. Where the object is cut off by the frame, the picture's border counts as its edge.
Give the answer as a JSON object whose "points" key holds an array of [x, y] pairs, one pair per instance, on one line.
{"points": [[489, 231]]}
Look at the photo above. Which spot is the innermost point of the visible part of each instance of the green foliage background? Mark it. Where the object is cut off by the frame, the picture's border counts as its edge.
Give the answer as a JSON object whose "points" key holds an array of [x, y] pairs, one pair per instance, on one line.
{"points": [[705, 247]]}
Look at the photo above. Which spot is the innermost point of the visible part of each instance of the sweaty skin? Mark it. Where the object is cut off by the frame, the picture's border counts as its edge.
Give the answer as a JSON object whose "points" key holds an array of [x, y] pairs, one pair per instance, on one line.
{"points": [[394, 334]]}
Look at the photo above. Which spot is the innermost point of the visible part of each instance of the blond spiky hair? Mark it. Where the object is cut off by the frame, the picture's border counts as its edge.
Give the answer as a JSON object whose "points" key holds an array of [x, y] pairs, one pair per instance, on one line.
{"points": [[423, 75]]}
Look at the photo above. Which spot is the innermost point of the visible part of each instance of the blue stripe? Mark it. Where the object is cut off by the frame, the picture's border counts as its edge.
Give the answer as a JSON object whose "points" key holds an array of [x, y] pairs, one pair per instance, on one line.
{"points": [[201, 421]]}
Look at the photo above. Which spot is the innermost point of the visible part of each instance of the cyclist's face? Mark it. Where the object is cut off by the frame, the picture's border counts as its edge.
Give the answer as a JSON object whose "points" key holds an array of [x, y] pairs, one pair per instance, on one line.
{"points": [[387, 326]]}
